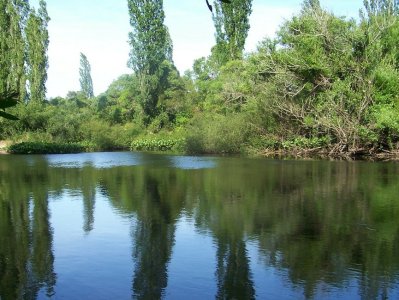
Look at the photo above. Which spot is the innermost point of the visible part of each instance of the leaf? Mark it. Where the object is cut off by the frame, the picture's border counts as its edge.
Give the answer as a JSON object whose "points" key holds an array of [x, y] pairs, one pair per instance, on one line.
{"points": [[8, 99], [8, 116], [7, 103]]}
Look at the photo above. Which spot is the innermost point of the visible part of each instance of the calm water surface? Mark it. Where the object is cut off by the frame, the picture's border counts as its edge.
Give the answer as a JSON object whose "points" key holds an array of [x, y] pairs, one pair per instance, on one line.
{"points": [[149, 226]]}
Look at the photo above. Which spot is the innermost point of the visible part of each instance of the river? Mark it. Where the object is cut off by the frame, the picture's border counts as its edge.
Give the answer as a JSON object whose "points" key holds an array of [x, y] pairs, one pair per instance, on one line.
{"points": [[128, 225]]}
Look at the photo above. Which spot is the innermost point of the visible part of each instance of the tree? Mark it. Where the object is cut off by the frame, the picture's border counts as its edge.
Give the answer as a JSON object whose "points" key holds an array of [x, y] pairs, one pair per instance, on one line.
{"points": [[5, 65], [13, 15], [375, 7], [210, 6], [17, 44], [86, 83], [311, 4], [232, 24], [12, 54], [37, 44], [150, 47]]}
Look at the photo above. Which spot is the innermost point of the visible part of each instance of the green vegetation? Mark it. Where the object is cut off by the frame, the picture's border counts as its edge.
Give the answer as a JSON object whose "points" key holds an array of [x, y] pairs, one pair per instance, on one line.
{"points": [[151, 53], [324, 84], [8, 99], [45, 148], [37, 45], [157, 144], [86, 83], [13, 15], [232, 24]]}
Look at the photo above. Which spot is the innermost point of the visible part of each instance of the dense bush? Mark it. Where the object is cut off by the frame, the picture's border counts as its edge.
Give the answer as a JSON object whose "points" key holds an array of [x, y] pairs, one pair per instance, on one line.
{"points": [[214, 133], [45, 148], [157, 144]]}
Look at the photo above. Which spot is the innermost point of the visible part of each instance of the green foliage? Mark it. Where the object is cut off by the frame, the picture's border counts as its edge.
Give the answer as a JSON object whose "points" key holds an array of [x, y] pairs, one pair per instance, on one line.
{"points": [[232, 24], [8, 116], [37, 45], [325, 82], [157, 144], [8, 99], [64, 127], [386, 83], [150, 47], [387, 125], [236, 86], [120, 103], [86, 83], [44, 148], [214, 133], [171, 99], [12, 46], [161, 121], [325, 78], [306, 143], [103, 136], [5, 63]]}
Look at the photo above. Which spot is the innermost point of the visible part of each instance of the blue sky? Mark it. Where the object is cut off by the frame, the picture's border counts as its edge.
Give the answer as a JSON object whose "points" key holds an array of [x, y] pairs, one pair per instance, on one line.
{"points": [[99, 29]]}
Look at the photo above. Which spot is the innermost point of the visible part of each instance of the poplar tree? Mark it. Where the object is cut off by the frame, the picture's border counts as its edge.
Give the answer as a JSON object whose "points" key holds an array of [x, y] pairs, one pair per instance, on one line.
{"points": [[150, 47], [86, 83], [13, 15], [37, 45], [5, 62], [19, 14], [231, 22]]}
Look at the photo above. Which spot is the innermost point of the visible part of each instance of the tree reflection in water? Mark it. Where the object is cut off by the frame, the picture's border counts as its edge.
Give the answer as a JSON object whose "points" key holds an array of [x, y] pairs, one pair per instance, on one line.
{"points": [[156, 199], [153, 241], [88, 193], [233, 273], [26, 257], [320, 223]]}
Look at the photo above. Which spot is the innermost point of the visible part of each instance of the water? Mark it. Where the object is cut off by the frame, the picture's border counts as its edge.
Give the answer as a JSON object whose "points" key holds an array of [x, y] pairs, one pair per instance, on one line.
{"points": [[148, 226]]}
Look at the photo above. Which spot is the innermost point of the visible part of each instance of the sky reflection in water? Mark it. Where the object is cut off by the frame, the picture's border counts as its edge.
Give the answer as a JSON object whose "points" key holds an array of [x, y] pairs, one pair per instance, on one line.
{"points": [[148, 226], [119, 159]]}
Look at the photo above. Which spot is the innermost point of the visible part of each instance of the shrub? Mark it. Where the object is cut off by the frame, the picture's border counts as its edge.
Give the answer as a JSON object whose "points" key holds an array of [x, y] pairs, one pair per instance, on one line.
{"points": [[44, 148], [157, 144], [99, 134], [215, 133], [306, 143]]}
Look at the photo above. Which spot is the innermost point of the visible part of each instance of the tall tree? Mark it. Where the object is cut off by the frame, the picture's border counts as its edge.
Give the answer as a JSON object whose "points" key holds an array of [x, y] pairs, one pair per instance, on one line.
{"points": [[232, 24], [12, 45], [86, 83], [5, 65], [150, 47], [37, 44], [19, 14]]}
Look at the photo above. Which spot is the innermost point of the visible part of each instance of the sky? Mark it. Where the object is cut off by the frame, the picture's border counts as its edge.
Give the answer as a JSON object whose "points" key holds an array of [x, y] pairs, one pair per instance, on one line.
{"points": [[99, 29]]}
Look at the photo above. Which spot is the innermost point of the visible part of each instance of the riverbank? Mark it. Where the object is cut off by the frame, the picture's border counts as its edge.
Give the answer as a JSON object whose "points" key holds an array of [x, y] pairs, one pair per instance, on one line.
{"points": [[3, 146], [382, 155], [177, 147]]}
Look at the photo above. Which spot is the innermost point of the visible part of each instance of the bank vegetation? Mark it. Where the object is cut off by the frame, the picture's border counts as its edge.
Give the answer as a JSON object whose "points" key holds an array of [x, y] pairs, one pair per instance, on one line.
{"points": [[325, 85]]}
